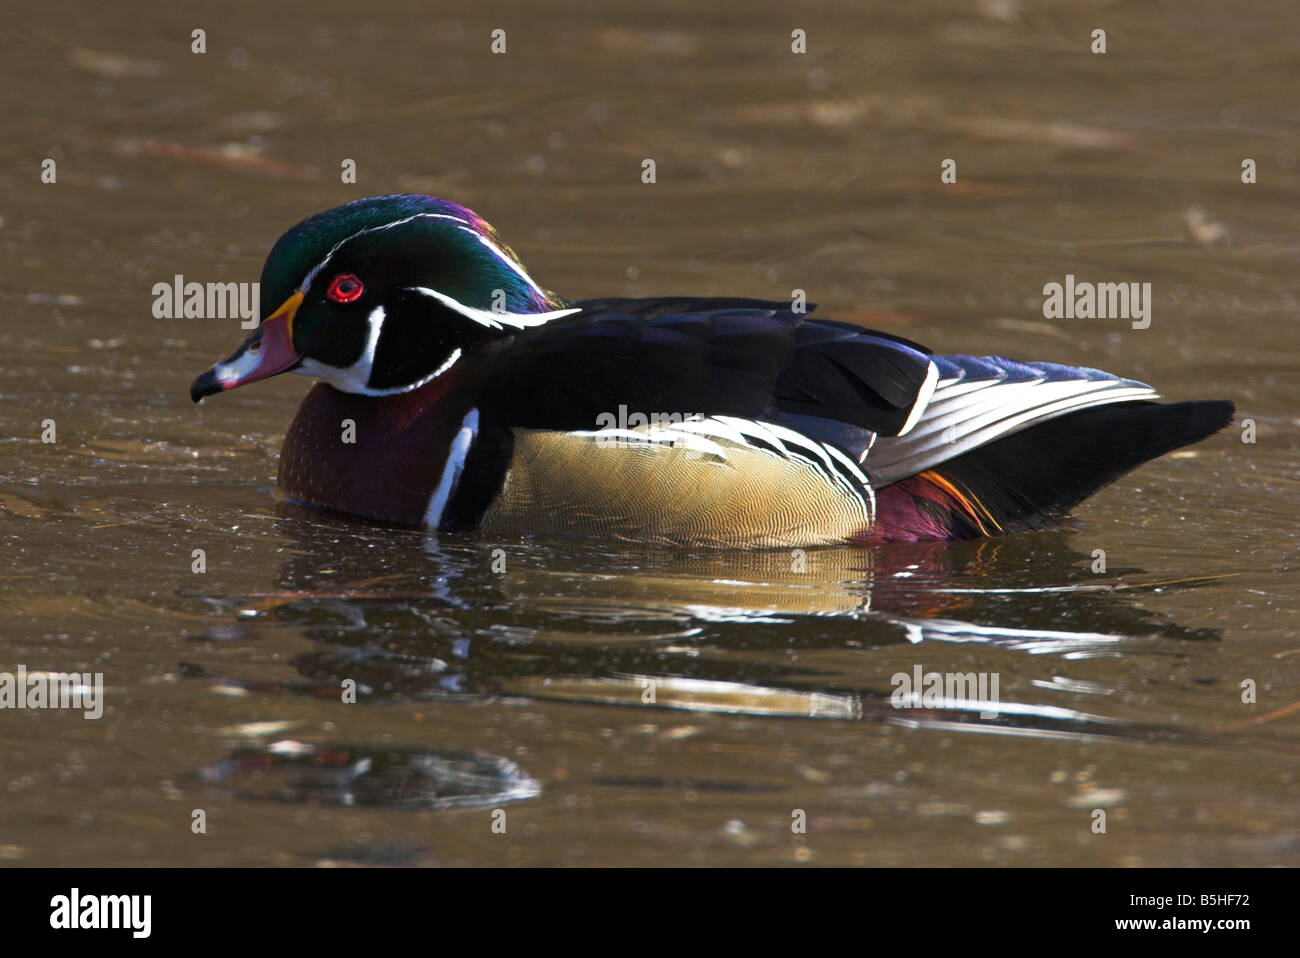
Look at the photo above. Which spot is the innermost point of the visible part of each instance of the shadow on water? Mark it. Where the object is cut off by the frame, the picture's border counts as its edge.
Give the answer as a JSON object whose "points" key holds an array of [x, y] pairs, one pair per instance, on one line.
{"points": [[366, 776], [815, 634]]}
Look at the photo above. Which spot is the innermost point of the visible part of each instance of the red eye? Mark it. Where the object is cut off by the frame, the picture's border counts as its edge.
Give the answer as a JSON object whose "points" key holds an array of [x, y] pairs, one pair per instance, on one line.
{"points": [[344, 288]]}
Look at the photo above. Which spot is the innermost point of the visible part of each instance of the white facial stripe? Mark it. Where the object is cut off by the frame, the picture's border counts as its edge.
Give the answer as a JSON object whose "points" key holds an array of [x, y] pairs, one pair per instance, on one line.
{"points": [[451, 361], [451, 472], [315, 270], [501, 255], [486, 317]]}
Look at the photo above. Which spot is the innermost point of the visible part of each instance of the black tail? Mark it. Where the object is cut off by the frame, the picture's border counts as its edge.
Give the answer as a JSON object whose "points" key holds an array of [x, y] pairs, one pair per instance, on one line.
{"points": [[1034, 477]]}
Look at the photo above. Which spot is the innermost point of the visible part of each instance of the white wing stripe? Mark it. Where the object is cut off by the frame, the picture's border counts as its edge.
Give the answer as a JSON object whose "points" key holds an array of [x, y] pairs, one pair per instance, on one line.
{"points": [[957, 421], [923, 397], [1002, 400]]}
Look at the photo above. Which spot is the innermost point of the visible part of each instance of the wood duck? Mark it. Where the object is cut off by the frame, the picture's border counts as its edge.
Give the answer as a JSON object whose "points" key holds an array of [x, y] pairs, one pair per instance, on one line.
{"points": [[455, 393]]}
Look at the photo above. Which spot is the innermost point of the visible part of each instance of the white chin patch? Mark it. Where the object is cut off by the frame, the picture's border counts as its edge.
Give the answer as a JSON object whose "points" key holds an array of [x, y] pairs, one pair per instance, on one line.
{"points": [[352, 379], [356, 378]]}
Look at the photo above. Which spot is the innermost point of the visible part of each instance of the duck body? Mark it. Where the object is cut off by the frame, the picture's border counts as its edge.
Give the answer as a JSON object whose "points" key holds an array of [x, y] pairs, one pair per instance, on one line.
{"points": [[459, 395]]}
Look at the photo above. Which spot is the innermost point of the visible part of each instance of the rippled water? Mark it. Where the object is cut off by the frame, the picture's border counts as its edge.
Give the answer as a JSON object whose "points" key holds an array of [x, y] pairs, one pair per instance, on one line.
{"points": [[648, 707]]}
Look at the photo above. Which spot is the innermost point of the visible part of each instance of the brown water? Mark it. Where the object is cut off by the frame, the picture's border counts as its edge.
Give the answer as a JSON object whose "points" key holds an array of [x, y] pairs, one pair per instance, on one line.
{"points": [[1120, 690]]}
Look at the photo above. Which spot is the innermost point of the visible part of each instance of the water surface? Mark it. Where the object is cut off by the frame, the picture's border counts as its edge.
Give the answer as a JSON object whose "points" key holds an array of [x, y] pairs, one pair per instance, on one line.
{"points": [[517, 680]]}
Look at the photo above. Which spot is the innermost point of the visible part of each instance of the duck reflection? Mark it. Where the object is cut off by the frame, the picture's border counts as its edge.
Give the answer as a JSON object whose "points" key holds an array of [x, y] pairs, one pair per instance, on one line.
{"points": [[812, 633]]}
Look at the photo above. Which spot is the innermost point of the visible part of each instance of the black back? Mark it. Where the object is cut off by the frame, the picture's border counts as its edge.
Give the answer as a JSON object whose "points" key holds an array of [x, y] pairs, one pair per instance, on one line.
{"points": [[686, 356]]}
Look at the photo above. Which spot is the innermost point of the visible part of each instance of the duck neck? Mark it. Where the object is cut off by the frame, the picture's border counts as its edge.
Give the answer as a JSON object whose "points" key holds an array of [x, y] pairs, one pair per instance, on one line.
{"points": [[381, 457]]}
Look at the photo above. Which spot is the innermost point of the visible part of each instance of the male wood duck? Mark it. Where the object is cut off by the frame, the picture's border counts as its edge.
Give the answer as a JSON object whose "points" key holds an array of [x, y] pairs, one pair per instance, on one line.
{"points": [[455, 393]]}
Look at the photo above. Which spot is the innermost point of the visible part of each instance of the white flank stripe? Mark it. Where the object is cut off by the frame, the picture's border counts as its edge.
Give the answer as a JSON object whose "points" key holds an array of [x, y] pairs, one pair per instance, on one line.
{"points": [[759, 431], [789, 445], [452, 470], [654, 436], [849, 465], [712, 427], [794, 445]]}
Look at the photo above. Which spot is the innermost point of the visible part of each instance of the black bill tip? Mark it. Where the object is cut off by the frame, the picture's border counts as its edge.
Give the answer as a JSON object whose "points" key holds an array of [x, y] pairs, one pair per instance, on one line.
{"points": [[205, 385]]}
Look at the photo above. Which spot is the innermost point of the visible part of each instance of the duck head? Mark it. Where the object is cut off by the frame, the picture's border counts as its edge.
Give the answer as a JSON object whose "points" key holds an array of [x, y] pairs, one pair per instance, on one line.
{"points": [[381, 296]]}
